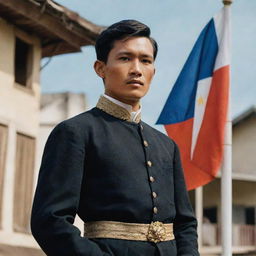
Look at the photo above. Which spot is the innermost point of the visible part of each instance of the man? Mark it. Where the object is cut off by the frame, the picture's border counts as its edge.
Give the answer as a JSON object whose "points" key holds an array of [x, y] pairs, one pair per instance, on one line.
{"points": [[122, 177]]}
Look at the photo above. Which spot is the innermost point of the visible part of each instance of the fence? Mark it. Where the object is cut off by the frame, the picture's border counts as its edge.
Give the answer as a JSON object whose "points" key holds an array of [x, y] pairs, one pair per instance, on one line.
{"points": [[242, 235]]}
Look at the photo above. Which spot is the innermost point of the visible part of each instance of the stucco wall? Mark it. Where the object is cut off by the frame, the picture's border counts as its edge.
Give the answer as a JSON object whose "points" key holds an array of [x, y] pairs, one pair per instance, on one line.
{"points": [[19, 110], [244, 147]]}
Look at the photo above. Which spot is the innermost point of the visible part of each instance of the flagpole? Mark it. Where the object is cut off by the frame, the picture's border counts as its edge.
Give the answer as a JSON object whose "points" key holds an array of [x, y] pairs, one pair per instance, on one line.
{"points": [[226, 181], [226, 192]]}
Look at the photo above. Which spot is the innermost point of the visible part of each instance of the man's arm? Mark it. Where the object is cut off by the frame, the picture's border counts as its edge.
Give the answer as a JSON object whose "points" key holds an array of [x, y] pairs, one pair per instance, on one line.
{"points": [[57, 196], [185, 223]]}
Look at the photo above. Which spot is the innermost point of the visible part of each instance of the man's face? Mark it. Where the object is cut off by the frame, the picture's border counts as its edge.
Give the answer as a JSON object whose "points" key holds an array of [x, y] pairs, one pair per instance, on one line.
{"points": [[129, 69]]}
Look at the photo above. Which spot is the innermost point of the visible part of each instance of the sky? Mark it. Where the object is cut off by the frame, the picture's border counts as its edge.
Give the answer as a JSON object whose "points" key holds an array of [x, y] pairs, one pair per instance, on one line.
{"points": [[175, 25]]}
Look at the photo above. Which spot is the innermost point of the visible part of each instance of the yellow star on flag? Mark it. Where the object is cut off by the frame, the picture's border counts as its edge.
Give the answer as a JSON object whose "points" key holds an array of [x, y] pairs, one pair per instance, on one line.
{"points": [[200, 100]]}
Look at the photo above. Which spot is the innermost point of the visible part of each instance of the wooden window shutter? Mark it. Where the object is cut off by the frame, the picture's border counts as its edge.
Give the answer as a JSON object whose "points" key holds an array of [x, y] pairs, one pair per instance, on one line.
{"points": [[24, 176], [3, 148]]}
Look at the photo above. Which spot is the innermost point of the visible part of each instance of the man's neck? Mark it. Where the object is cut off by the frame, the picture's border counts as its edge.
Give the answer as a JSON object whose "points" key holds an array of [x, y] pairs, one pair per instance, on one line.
{"points": [[118, 109], [129, 107]]}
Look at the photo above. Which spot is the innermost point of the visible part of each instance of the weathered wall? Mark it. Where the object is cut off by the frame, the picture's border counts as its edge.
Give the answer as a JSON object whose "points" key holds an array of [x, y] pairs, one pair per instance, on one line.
{"points": [[19, 111], [244, 147]]}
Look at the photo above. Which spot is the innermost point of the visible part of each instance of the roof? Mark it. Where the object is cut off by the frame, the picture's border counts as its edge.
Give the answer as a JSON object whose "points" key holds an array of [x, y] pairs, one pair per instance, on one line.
{"points": [[245, 115], [60, 29]]}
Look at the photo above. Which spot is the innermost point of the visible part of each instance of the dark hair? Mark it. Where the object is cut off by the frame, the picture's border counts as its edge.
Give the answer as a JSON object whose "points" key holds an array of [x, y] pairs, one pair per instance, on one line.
{"points": [[118, 31]]}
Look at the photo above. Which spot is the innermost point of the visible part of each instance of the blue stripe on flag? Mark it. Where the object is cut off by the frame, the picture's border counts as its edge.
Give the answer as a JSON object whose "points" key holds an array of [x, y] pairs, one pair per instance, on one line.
{"points": [[180, 104]]}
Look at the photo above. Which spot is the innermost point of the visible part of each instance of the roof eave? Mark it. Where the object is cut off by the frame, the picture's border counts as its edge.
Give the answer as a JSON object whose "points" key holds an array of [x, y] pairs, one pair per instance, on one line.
{"points": [[60, 30], [244, 115]]}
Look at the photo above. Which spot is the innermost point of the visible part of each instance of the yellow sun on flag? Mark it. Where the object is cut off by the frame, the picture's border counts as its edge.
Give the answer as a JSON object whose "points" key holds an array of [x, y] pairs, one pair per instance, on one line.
{"points": [[200, 100]]}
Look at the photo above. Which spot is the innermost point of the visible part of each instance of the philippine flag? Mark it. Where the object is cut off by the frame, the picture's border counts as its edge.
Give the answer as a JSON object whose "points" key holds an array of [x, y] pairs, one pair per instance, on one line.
{"points": [[195, 112]]}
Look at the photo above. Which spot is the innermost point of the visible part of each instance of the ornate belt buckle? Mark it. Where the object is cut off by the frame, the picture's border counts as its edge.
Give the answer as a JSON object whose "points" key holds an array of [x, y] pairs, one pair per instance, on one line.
{"points": [[156, 232]]}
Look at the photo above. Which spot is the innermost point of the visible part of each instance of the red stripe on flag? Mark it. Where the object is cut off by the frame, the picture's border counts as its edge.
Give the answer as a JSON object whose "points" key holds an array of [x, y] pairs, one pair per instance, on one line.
{"points": [[181, 133], [209, 148], [211, 135]]}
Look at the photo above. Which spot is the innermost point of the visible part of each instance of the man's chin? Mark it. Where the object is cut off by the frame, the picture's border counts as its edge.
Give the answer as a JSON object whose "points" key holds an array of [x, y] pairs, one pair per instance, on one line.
{"points": [[130, 100], [136, 96], [133, 98]]}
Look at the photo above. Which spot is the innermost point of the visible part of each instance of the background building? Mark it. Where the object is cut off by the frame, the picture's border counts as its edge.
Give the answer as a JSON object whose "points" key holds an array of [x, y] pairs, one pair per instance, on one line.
{"points": [[29, 31], [244, 193]]}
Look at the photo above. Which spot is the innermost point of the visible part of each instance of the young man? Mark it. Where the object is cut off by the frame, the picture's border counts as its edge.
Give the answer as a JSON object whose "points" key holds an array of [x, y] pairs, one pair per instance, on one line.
{"points": [[122, 177]]}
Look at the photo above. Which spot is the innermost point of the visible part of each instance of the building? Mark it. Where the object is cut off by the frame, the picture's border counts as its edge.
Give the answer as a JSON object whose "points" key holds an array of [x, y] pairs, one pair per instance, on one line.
{"points": [[29, 31], [244, 194]]}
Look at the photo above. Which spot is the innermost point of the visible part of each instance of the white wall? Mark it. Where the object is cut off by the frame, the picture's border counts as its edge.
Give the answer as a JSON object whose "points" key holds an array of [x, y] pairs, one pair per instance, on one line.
{"points": [[19, 110], [244, 147]]}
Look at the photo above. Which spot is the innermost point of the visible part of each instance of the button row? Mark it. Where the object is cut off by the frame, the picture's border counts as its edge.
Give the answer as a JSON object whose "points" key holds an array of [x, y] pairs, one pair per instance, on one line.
{"points": [[151, 178]]}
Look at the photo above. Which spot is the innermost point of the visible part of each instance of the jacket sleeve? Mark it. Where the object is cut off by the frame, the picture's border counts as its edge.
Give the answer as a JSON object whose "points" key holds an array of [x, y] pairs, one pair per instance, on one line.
{"points": [[57, 196], [185, 223]]}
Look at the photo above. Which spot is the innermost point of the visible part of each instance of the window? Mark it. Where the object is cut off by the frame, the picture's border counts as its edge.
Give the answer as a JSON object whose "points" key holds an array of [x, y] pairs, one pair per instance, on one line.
{"points": [[3, 148], [210, 214], [250, 215], [24, 173], [23, 63]]}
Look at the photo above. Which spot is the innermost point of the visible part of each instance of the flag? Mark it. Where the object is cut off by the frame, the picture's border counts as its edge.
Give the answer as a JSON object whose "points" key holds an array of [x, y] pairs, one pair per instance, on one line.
{"points": [[195, 112]]}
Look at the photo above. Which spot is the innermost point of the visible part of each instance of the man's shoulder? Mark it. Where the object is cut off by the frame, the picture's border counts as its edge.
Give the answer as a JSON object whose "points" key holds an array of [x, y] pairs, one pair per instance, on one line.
{"points": [[81, 119], [78, 123], [158, 134]]}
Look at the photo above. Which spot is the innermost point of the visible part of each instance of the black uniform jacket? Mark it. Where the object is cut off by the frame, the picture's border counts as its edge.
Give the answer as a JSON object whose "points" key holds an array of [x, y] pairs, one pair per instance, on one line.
{"points": [[104, 168]]}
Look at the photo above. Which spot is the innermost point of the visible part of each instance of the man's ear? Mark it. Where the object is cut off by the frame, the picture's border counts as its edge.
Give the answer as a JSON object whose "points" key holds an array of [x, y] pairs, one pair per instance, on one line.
{"points": [[99, 67]]}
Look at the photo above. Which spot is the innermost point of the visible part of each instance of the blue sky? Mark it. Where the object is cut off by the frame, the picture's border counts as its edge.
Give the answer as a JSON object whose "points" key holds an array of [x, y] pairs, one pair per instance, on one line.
{"points": [[175, 24]]}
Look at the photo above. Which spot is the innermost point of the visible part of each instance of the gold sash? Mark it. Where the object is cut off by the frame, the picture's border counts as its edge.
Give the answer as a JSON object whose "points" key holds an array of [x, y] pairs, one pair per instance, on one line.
{"points": [[154, 232]]}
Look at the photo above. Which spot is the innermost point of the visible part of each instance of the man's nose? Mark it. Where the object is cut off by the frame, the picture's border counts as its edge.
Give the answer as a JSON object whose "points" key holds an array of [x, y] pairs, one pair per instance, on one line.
{"points": [[135, 68]]}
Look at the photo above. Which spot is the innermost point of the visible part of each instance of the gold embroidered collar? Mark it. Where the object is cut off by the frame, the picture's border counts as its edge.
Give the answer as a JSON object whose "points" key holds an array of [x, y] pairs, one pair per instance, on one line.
{"points": [[115, 110]]}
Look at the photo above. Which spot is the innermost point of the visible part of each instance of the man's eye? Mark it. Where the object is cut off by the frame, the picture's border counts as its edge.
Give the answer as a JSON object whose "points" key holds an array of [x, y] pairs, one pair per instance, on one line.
{"points": [[124, 58], [148, 61]]}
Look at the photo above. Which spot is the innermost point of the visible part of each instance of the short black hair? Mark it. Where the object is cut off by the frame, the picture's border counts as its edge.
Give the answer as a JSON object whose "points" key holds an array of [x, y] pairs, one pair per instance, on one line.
{"points": [[118, 31]]}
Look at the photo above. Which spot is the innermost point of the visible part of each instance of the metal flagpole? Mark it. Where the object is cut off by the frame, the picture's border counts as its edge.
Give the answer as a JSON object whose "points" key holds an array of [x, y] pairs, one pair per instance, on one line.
{"points": [[226, 180]]}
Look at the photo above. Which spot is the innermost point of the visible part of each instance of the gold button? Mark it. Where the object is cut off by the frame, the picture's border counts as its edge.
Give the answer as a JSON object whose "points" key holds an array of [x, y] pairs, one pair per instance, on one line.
{"points": [[145, 143], [149, 163], [155, 210], [151, 178], [154, 194]]}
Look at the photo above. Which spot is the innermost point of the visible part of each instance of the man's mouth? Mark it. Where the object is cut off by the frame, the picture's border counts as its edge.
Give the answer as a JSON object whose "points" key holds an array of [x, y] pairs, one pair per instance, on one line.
{"points": [[134, 81]]}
